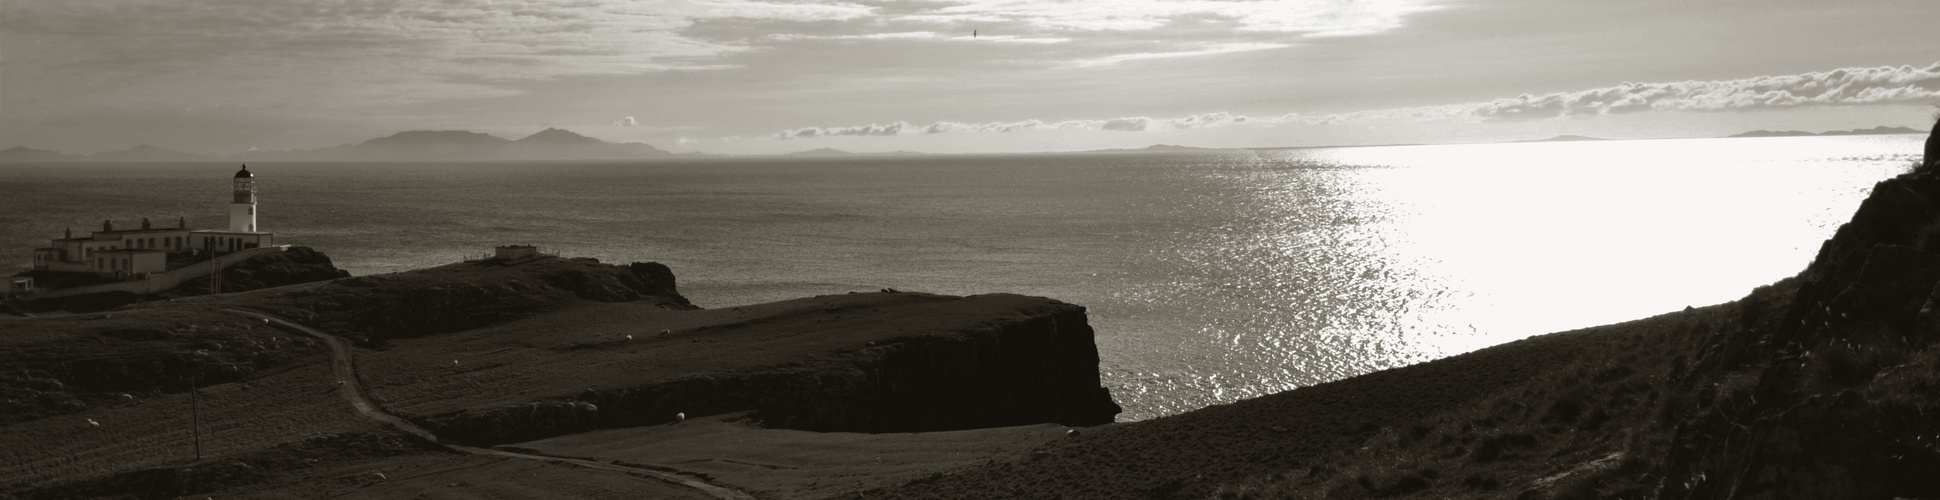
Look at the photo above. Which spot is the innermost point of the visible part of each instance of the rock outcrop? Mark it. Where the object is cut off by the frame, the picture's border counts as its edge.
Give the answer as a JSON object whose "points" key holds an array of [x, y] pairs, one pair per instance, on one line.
{"points": [[1830, 392], [290, 267], [1932, 157]]}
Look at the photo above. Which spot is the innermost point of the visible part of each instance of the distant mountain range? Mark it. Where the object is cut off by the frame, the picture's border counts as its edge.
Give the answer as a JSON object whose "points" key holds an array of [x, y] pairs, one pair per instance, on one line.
{"points": [[1157, 148], [1567, 138], [1861, 131], [417, 145]]}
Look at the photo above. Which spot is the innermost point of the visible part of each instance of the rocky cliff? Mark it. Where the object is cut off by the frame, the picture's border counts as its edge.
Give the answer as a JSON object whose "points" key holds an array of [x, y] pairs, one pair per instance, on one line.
{"points": [[1831, 391]]}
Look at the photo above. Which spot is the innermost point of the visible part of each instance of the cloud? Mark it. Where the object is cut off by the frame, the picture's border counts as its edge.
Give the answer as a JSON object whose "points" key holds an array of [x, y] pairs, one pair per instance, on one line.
{"points": [[864, 130], [1317, 17], [1220, 118], [383, 53], [1123, 124], [627, 122], [1227, 48], [522, 39], [372, 52], [1839, 87], [1133, 124], [966, 37]]}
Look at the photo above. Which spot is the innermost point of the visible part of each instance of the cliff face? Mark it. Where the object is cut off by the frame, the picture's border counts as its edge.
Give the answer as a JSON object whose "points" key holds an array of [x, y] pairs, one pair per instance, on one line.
{"points": [[1828, 393], [1040, 368]]}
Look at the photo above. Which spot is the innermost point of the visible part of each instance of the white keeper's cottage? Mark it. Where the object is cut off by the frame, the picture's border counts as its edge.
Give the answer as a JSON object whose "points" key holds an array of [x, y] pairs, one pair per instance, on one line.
{"points": [[130, 252]]}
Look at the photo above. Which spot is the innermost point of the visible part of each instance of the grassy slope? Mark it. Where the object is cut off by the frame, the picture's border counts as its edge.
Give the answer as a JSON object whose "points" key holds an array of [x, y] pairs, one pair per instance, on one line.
{"points": [[447, 476], [288, 406], [268, 405], [1256, 445], [782, 463], [1592, 427], [67, 363], [562, 353]]}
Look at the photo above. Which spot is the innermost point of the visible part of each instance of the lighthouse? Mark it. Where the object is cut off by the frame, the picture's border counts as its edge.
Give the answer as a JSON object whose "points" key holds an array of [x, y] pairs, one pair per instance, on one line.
{"points": [[242, 209], [124, 253]]}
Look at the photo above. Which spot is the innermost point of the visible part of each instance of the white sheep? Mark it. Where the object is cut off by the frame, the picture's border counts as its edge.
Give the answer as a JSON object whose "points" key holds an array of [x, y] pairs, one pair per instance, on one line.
{"points": [[679, 417], [96, 425]]}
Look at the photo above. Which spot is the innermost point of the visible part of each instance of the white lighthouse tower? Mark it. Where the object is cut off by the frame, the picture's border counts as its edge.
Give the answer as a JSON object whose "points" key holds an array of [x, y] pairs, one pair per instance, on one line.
{"points": [[242, 209]]}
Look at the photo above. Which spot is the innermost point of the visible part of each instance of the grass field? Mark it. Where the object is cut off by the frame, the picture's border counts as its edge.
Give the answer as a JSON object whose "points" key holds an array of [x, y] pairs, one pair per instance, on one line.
{"points": [[791, 464]]}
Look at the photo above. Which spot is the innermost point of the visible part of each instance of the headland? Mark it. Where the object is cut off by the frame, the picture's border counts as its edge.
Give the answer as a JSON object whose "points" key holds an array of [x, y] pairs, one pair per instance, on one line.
{"points": [[500, 352]]}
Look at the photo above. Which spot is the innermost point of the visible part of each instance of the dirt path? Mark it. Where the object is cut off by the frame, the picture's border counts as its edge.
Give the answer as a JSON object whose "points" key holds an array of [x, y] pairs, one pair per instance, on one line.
{"points": [[345, 372]]}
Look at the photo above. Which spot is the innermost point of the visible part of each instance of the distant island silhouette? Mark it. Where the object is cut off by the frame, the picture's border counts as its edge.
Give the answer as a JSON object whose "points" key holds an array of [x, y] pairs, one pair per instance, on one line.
{"points": [[415, 145], [837, 153], [1567, 138], [1881, 130], [1159, 148]]}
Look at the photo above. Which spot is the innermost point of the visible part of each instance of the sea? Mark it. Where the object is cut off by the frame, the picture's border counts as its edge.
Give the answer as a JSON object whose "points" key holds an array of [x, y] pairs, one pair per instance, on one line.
{"points": [[1208, 277]]}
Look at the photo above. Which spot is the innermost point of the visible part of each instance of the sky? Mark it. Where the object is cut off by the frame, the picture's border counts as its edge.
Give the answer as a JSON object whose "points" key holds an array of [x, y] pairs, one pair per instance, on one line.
{"points": [[760, 77]]}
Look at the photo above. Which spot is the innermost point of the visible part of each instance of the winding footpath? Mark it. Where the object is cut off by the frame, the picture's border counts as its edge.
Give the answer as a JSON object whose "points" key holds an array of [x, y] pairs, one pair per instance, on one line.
{"points": [[341, 367]]}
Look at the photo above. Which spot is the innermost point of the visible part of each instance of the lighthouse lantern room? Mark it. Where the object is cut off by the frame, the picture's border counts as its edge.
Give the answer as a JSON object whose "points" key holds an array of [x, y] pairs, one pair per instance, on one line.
{"points": [[242, 209]]}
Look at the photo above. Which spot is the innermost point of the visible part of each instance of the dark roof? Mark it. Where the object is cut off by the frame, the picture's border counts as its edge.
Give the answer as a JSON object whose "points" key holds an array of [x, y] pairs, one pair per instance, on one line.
{"points": [[228, 232], [139, 231], [244, 173]]}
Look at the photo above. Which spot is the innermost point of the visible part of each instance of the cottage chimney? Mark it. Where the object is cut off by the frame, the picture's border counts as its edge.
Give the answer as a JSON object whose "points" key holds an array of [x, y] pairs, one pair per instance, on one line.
{"points": [[144, 223], [181, 222], [107, 225], [70, 233]]}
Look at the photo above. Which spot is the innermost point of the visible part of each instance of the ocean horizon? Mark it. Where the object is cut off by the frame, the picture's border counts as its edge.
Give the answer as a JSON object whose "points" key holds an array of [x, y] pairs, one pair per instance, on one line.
{"points": [[1208, 277]]}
